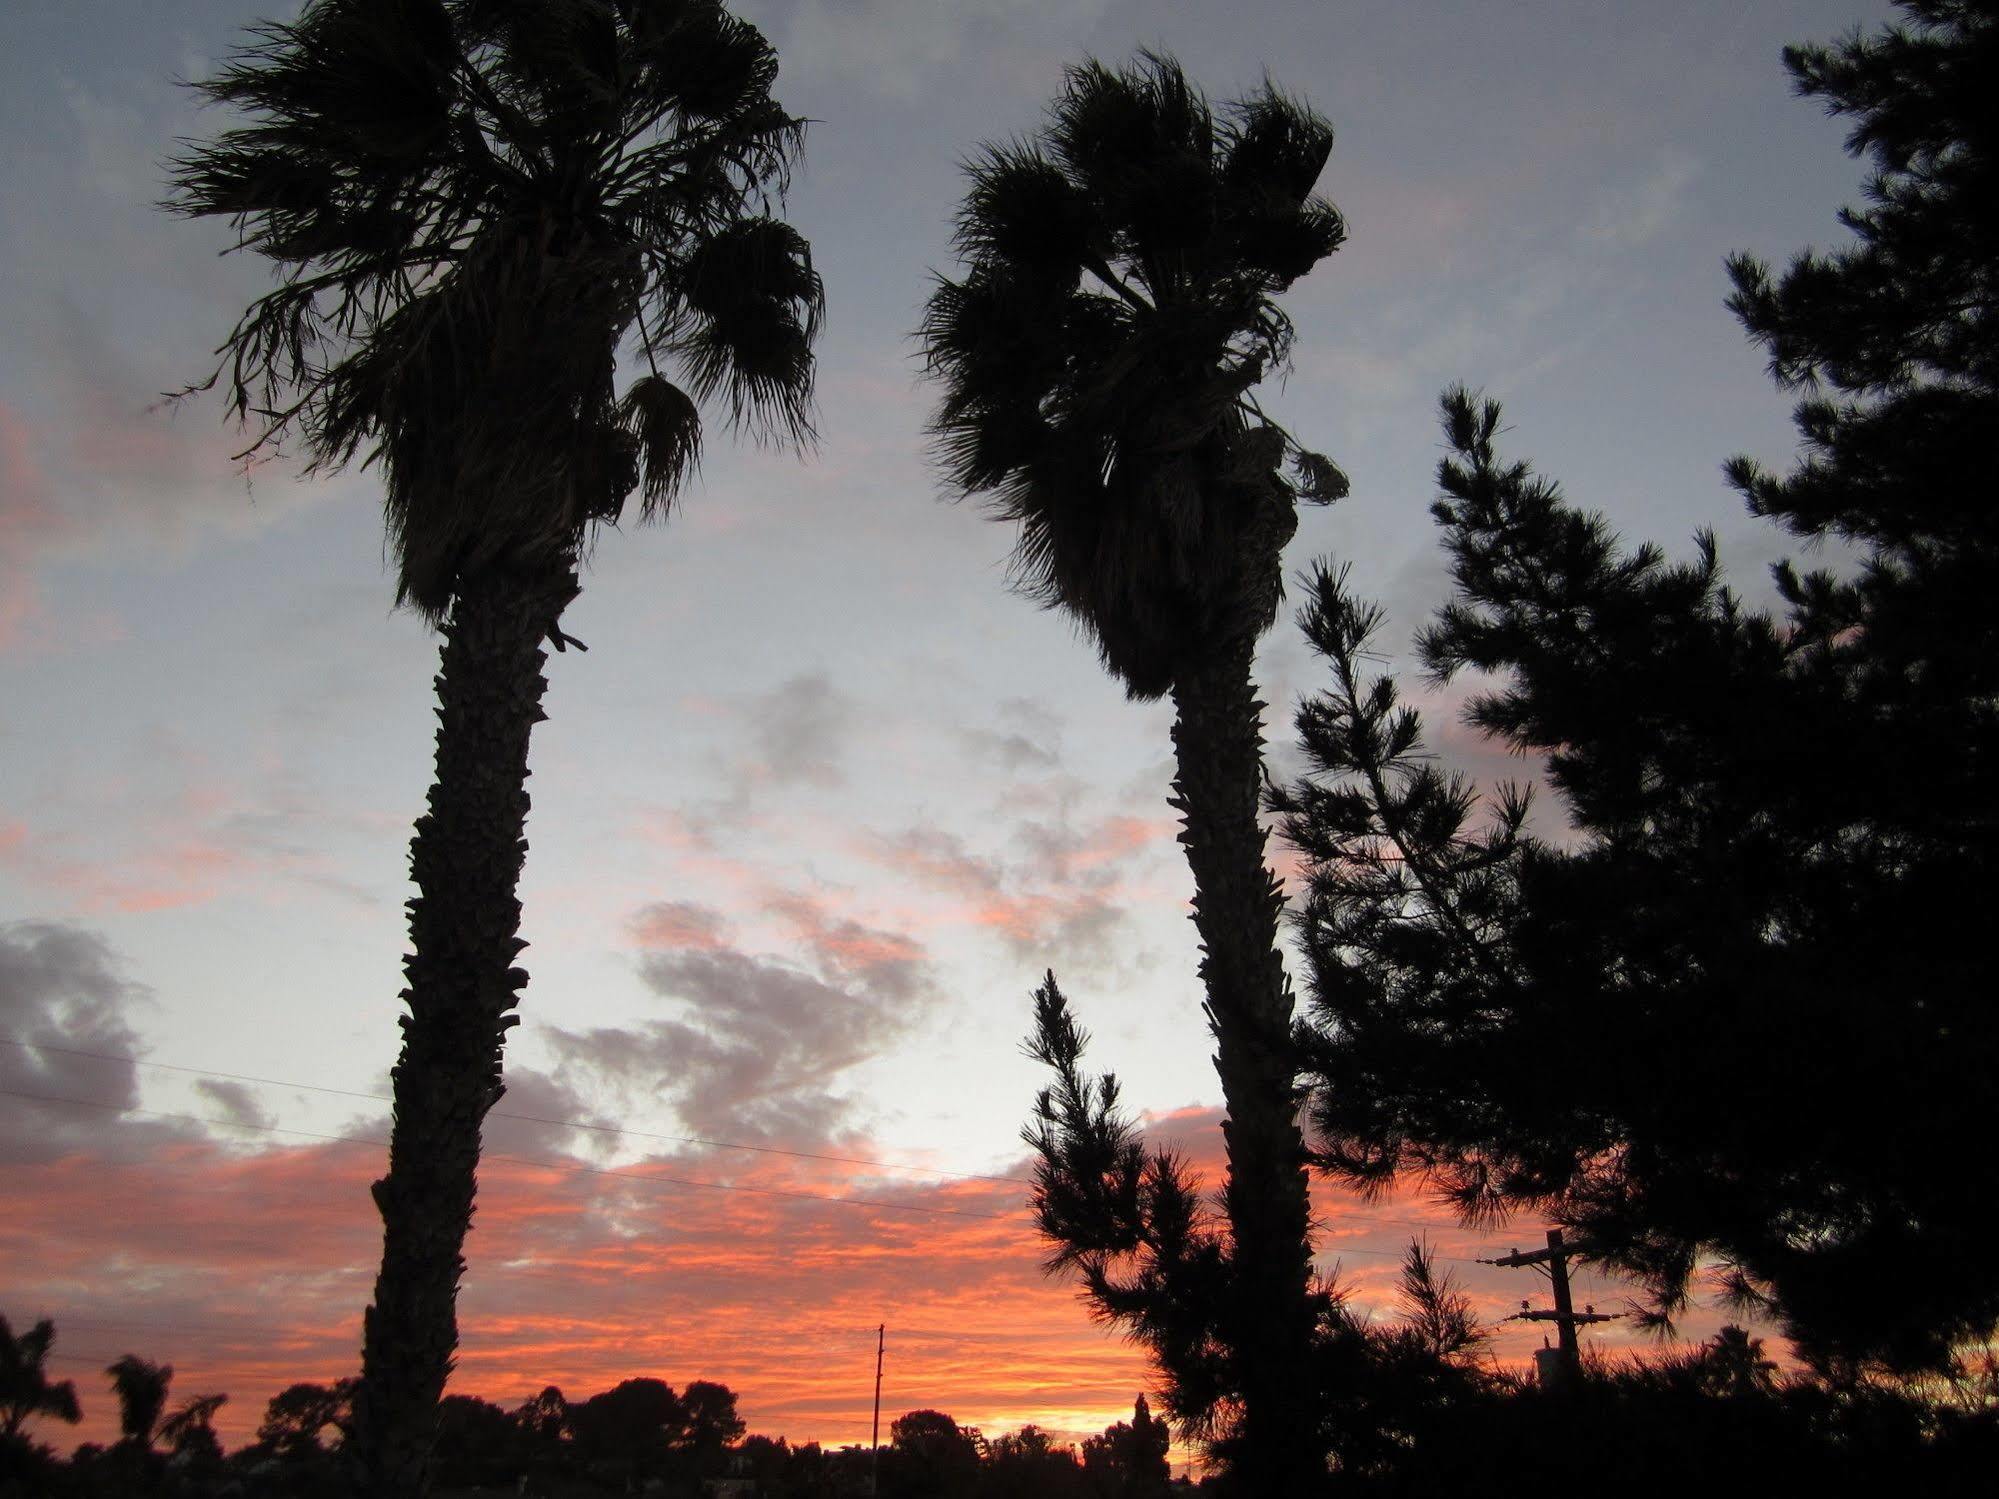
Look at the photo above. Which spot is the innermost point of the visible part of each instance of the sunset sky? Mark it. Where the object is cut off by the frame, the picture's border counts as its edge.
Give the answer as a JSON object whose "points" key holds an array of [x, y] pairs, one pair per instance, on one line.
{"points": [[823, 800]]}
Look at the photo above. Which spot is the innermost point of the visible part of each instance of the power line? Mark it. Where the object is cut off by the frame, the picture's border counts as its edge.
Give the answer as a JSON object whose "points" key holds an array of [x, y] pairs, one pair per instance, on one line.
{"points": [[607, 1129], [576, 1166], [577, 1124]]}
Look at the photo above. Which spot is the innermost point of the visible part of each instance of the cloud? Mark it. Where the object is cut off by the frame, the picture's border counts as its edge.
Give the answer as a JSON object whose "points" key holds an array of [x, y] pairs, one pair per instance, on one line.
{"points": [[1029, 738], [897, 47], [248, 1271], [62, 995], [756, 1046], [91, 462], [679, 925], [168, 830], [799, 731], [526, 1122], [1061, 894], [796, 735], [881, 963], [237, 1102], [1638, 211]]}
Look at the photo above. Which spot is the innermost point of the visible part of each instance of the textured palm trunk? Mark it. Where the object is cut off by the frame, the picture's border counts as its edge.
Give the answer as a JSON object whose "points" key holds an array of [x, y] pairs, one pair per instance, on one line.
{"points": [[1218, 746], [466, 859]]}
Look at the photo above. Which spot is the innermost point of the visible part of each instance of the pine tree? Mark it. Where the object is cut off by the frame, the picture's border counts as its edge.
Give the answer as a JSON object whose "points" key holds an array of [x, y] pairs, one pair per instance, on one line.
{"points": [[1737, 1018]]}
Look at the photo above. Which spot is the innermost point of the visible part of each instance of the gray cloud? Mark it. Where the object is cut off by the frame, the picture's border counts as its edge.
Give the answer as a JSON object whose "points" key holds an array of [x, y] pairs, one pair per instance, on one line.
{"points": [[61, 994], [795, 735], [756, 1047], [526, 1120], [800, 731], [1029, 737], [236, 1101]]}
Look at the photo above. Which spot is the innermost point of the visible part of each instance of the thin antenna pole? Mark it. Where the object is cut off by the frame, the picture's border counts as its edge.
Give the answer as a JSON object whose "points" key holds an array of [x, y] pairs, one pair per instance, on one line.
{"points": [[875, 1436]]}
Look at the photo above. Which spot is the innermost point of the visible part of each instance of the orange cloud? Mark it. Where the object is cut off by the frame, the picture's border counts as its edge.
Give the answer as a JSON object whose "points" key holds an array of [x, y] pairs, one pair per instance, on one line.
{"points": [[249, 1270]]}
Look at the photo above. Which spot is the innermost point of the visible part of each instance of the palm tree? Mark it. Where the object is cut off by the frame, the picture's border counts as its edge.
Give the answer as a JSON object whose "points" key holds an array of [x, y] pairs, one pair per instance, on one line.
{"points": [[141, 1386], [470, 207], [25, 1390], [1098, 354], [190, 1429]]}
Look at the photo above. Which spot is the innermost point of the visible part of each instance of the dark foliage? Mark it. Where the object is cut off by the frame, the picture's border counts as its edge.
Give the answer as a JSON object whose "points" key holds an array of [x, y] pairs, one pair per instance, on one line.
{"points": [[929, 1456], [1436, 1419], [1737, 1016], [1098, 351], [1157, 1263], [470, 206], [306, 1419], [1128, 1461], [26, 1391], [141, 1387]]}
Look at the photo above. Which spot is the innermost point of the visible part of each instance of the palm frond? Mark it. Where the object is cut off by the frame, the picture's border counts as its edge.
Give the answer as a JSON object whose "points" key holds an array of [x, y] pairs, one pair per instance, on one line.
{"points": [[756, 303], [1097, 351], [469, 204], [666, 424]]}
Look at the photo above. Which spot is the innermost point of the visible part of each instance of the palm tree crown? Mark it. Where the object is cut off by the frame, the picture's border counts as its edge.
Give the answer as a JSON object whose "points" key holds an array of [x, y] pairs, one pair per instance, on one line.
{"points": [[1097, 353], [141, 1386], [472, 204], [25, 1388]]}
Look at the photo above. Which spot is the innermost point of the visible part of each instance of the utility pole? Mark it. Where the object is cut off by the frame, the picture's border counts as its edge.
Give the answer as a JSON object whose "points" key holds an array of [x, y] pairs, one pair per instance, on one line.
{"points": [[1554, 1262], [875, 1436]]}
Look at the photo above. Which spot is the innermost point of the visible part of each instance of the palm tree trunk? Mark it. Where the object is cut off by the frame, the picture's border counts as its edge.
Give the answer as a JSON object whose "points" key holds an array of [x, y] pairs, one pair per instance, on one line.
{"points": [[1218, 746], [466, 859]]}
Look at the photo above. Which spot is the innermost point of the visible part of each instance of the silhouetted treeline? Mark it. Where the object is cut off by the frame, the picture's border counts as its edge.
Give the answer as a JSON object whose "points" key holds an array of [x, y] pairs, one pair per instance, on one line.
{"points": [[1426, 1412], [641, 1435]]}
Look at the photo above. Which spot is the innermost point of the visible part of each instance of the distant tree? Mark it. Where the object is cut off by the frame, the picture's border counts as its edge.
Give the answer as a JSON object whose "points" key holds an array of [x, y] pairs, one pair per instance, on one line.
{"points": [[1029, 1464], [141, 1387], [709, 1421], [544, 1418], [1097, 354], [478, 1444], [634, 1425], [297, 1418], [189, 1429], [1739, 1014], [929, 1456], [26, 1391], [471, 206], [1735, 1366], [1128, 1461]]}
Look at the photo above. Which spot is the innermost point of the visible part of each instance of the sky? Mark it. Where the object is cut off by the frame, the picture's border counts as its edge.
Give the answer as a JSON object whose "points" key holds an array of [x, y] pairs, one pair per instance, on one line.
{"points": [[824, 799]]}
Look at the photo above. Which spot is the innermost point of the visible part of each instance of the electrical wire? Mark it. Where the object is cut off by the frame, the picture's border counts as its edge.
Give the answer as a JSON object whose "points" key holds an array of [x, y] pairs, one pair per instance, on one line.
{"points": [[575, 1166], [605, 1129], [576, 1124]]}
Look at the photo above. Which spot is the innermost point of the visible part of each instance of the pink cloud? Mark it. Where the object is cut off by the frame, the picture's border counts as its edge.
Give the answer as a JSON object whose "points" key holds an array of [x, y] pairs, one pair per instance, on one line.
{"points": [[679, 926], [249, 1271], [169, 869]]}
